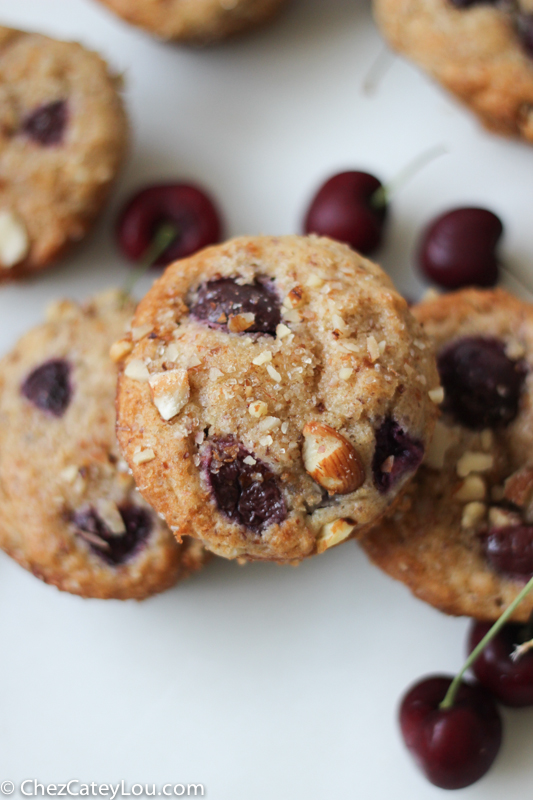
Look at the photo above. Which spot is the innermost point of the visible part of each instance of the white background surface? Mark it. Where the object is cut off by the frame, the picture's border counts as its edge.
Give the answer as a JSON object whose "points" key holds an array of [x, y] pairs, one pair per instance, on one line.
{"points": [[260, 682]]}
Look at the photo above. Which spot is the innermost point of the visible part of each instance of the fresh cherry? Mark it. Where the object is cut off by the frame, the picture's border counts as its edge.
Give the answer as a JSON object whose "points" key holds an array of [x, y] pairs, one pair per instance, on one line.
{"points": [[482, 385], [345, 209], [48, 387], [46, 125], [395, 454], [454, 746], [187, 208], [458, 248], [510, 681], [509, 550], [246, 493], [218, 300], [468, 3]]}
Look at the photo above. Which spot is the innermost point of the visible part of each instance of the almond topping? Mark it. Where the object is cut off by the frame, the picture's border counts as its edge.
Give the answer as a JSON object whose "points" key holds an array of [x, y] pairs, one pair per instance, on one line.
{"points": [[14, 240], [373, 348], [262, 358], [331, 460], [282, 331], [333, 533], [241, 322], [291, 314], [294, 298], [345, 373], [436, 395], [119, 350], [314, 281], [274, 374], [474, 462], [170, 391], [140, 332], [110, 516], [502, 518], [518, 488], [472, 488], [143, 456], [137, 370], [258, 408], [473, 513]]}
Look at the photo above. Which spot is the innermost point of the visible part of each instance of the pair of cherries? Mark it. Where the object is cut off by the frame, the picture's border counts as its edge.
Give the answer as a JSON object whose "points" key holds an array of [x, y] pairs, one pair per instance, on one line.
{"points": [[455, 743], [457, 249]]}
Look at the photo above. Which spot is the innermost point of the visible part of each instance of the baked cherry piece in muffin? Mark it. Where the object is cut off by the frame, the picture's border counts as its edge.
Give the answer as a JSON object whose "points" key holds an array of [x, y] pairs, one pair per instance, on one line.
{"points": [[63, 134], [462, 536], [276, 400], [69, 511], [480, 51], [195, 21]]}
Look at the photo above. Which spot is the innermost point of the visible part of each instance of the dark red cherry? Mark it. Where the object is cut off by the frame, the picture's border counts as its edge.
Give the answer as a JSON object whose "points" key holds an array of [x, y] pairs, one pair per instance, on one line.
{"points": [[186, 207], [46, 125], [395, 454], [112, 548], [453, 747], [458, 248], [468, 3], [48, 387], [217, 301], [509, 550], [343, 210], [511, 682], [524, 26], [482, 386], [246, 493]]}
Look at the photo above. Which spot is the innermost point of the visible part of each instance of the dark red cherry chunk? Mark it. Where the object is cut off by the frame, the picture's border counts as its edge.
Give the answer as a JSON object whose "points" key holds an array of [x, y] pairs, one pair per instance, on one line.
{"points": [[524, 26], [482, 386], [186, 207], [343, 209], [468, 3], [112, 548], [48, 387], [217, 301], [459, 248], [511, 682], [396, 453], [46, 125], [247, 494], [509, 550], [453, 747]]}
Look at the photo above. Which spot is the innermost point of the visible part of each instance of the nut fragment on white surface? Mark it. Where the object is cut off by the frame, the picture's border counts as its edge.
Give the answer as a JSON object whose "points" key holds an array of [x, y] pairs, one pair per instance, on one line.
{"points": [[436, 395], [474, 462], [472, 514], [14, 240], [170, 391], [119, 350], [143, 456], [241, 322], [137, 370], [330, 459], [333, 533]]}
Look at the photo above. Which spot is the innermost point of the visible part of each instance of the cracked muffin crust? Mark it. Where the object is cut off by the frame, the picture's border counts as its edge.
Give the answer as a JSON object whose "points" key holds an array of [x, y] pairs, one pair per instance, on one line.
{"points": [[195, 21], [482, 52], [461, 537], [63, 135], [69, 511], [275, 396]]}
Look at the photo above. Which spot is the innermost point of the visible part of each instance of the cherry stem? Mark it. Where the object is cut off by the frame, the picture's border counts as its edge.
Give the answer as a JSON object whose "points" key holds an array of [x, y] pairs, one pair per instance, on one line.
{"points": [[379, 67], [500, 622], [164, 236], [381, 196]]}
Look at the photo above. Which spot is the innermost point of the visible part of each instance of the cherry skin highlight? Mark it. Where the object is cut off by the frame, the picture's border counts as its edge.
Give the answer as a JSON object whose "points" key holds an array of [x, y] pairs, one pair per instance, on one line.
{"points": [[453, 747], [343, 210], [187, 207], [459, 248], [511, 682]]}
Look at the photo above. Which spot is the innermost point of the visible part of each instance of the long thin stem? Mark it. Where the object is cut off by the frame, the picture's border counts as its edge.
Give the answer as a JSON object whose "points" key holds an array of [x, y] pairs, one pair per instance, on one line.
{"points": [[382, 195], [165, 235], [500, 622]]}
